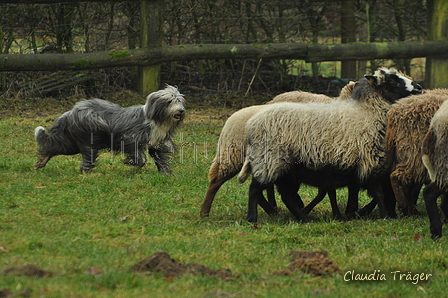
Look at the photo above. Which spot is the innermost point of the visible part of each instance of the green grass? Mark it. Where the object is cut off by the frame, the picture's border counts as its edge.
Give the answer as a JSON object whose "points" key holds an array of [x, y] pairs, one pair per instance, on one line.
{"points": [[66, 222]]}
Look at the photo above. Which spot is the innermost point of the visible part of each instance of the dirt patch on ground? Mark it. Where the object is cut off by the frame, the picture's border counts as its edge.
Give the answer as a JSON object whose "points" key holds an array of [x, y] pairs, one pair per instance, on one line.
{"points": [[313, 262], [5, 293], [28, 270], [162, 262]]}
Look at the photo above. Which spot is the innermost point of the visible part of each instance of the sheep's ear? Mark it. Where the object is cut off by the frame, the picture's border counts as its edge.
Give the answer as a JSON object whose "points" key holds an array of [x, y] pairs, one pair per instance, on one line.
{"points": [[372, 79]]}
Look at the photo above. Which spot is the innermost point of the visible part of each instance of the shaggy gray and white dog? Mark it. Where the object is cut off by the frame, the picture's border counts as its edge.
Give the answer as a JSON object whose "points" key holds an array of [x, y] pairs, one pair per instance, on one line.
{"points": [[97, 124]]}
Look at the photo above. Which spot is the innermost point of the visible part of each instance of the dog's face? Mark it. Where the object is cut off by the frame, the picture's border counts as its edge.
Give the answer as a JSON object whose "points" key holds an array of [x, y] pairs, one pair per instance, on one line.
{"points": [[165, 105]]}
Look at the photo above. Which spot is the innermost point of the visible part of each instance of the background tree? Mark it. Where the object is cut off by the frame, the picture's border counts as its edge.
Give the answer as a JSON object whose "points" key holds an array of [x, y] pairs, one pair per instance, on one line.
{"points": [[437, 68]]}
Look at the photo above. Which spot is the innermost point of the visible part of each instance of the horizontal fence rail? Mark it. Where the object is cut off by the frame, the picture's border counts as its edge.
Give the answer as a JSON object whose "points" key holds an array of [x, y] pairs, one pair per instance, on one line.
{"points": [[299, 51]]}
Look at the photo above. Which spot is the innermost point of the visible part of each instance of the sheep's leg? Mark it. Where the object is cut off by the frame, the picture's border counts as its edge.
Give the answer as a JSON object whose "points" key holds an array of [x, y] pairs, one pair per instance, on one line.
{"points": [[212, 189], [334, 204], [400, 197], [320, 196], [267, 207], [376, 192], [444, 206], [430, 195], [271, 195], [352, 202], [255, 193], [389, 198], [367, 209], [289, 198], [413, 191]]}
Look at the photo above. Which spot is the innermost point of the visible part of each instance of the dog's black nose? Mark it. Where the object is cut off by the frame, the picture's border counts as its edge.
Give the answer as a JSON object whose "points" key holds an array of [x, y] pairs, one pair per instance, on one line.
{"points": [[181, 111]]}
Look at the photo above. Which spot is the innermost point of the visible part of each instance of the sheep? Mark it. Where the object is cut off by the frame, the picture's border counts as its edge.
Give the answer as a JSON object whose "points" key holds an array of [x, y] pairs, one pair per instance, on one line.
{"points": [[330, 145], [232, 142], [408, 123], [435, 159]]}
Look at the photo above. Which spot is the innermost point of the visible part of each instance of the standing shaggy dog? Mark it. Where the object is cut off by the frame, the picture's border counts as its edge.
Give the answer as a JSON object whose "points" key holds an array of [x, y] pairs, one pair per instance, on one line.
{"points": [[334, 144], [97, 124]]}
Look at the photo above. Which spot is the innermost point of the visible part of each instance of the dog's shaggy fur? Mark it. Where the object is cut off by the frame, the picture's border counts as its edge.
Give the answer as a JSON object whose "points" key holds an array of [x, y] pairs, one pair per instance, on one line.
{"points": [[97, 124]]}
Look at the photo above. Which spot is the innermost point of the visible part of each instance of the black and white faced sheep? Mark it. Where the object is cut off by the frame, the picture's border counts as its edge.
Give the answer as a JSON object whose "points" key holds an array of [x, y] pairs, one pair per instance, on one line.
{"points": [[232, 145], [339, 143], [435, 159]]}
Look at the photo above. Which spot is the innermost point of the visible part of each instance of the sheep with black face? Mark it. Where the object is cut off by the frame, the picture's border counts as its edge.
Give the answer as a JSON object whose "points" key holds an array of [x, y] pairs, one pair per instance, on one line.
{"points": [[341, 141]]}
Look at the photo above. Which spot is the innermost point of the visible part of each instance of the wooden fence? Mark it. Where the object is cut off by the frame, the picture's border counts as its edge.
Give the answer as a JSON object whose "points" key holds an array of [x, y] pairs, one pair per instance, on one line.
{"points": [[151, 54]]}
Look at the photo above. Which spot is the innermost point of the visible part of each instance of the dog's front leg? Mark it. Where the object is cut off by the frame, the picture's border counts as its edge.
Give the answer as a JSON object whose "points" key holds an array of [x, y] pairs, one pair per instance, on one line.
{"points": [[137, 160], [161, 160], [89, 156]]}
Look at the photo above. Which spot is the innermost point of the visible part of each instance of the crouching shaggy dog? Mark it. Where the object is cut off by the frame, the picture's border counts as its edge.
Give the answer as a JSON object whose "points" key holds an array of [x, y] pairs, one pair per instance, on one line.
{"points": [[96, 124]]}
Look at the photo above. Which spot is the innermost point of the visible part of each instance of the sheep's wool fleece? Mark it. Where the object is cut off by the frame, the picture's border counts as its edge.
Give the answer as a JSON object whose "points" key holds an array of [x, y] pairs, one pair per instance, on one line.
{"points": [[232, 143], [346, 134], [436, 160], [408, 123]]}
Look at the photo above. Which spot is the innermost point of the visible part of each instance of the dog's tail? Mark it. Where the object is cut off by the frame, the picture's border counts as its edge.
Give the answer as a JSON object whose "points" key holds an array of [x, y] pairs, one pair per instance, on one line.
{"points": [[52, 144], [41, 138], [38, 133]]}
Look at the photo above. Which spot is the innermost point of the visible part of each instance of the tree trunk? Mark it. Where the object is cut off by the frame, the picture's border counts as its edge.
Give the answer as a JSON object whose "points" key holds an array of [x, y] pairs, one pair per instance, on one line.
{"points": [[151, 38], [348, 35], [399, 11], [436, 75]]}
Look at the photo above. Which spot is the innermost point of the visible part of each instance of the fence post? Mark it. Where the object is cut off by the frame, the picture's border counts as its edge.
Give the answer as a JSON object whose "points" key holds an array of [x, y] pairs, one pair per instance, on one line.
{"points": [[436, 74], [151, 36]]}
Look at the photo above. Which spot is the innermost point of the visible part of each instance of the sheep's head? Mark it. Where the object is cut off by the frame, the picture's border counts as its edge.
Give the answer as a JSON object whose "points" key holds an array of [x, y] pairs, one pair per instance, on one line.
{"points": [[393, 84]]}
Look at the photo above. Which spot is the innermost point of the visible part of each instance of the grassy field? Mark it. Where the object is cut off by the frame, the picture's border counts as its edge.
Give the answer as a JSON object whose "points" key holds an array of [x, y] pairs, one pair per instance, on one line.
{"points": [[90, 229]]}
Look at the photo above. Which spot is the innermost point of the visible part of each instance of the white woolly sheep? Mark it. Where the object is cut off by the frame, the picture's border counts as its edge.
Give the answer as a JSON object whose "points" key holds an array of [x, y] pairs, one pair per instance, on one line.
{"points": [[408, 123], [232, 144], [435, 159], [326, 145]]}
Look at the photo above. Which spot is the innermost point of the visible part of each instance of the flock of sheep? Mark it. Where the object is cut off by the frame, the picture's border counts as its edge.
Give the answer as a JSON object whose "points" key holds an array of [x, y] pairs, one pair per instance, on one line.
{"points": [[382, 134]]}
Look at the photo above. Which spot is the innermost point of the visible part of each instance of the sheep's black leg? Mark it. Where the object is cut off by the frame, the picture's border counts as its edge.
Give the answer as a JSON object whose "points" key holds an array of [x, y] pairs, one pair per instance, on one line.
{"points": [[271, 195], [289, 196], [444, 205], [334, 204], [389, 198], [413, 190], [255, 192], [267, 207], [367, 209], [320, 196], [430, 195], [294, 187], [352, 201], [376, 192]]}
